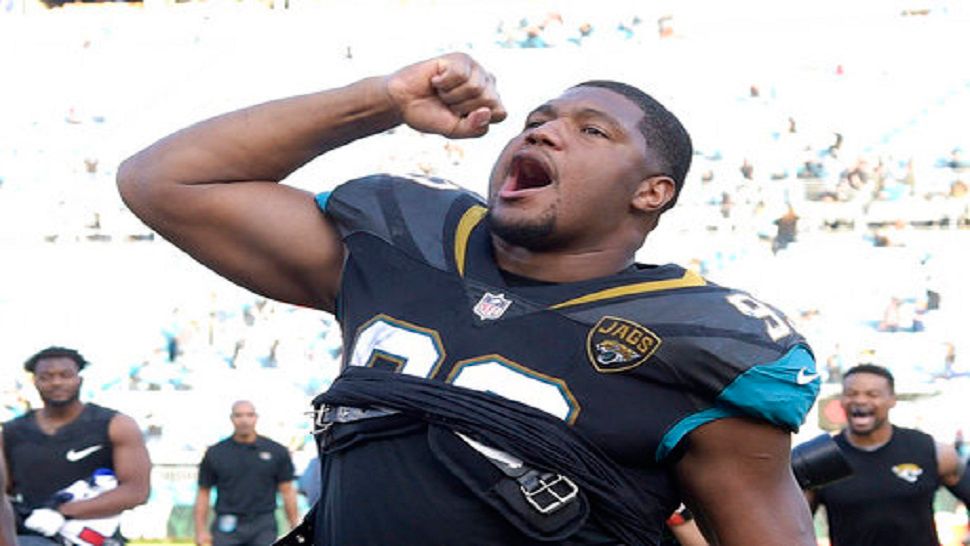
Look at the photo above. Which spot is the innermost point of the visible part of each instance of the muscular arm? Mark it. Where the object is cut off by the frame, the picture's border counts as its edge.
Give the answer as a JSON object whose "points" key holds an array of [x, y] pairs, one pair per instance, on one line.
{"points": [[5, 479], [953, 475], [812, 499], [736, 477], [950, 465], [210, 188], [7, 524], [132, 468], [288, 492], [200, 515]]}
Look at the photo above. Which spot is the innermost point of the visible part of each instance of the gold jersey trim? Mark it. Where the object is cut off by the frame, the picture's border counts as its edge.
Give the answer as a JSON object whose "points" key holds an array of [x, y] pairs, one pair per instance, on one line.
{"points": [[474, 215], [468, 221], [689, 279]]}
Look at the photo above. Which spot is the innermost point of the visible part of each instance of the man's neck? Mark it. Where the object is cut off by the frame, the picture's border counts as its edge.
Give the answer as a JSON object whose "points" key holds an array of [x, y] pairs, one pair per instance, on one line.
{"points": [[52, 418], [245, 438], [561, 267]]}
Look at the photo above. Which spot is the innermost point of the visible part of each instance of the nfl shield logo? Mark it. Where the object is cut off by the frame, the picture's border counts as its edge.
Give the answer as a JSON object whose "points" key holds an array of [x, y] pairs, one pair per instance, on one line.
{"points": [[491, 306]]}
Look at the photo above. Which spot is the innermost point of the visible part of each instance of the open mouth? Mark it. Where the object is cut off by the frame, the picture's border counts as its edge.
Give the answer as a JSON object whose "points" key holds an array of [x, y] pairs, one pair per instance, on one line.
{"points": [[527, 172], [861, 416]]}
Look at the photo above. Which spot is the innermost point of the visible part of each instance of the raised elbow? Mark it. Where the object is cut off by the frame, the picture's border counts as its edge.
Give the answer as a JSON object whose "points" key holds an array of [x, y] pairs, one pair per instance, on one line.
{"points": [[143, 190], [128, 180]]}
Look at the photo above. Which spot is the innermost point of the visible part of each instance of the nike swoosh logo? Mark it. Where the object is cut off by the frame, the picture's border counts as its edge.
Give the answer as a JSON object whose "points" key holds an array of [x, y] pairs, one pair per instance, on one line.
{"points": [[805, 378], [74, 456]]}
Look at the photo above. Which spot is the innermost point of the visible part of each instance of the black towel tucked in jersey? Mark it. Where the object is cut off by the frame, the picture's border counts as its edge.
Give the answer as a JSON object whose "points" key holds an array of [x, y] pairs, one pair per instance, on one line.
{"points": [[541, 440]]}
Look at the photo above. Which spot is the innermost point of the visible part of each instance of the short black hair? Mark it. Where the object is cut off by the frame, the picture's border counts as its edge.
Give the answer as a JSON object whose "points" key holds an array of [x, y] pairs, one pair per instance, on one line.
{"points": [[874, 370], [55, 352], [661, 129]]}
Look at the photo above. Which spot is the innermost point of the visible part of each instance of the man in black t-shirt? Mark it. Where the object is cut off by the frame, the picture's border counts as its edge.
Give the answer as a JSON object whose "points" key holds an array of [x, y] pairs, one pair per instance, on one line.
{"points": [[66, 441], [888, 500], [247, 470]]}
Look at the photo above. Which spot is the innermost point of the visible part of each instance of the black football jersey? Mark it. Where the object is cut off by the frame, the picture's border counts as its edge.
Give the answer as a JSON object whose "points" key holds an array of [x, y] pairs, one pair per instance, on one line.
{"points": [[633, 361], [42, 464]]}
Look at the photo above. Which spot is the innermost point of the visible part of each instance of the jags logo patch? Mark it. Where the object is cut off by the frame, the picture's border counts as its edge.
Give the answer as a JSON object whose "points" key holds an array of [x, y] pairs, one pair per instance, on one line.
{"points": [[908, 471], [618, 345]]}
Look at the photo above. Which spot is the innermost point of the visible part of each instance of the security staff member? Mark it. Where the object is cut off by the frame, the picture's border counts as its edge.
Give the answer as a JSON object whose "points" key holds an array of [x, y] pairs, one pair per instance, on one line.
{"points": [[247, 470]]}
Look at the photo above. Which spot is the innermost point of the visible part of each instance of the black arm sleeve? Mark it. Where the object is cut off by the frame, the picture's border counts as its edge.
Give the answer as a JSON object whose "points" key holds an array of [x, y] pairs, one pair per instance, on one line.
{"points": [[818, 462]]}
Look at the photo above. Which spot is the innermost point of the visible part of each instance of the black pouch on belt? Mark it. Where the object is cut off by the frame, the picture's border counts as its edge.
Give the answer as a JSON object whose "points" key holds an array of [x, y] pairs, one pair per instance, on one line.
{"points": [[543, 505]]}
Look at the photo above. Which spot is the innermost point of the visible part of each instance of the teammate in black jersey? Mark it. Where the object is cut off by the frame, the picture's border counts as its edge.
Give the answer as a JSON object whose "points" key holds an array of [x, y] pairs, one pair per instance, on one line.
{"points": [[51, 448], [888, 500], [591, 393]]}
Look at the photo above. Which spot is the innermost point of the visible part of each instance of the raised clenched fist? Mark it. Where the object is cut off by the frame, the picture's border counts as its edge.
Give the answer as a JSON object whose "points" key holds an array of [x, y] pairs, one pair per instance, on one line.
{"points": [[451, 95]]}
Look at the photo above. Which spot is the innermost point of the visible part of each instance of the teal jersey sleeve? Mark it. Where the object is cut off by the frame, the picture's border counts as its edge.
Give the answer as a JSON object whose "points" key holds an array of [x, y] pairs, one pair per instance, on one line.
{"points": [[726, 352], [780, 392]]}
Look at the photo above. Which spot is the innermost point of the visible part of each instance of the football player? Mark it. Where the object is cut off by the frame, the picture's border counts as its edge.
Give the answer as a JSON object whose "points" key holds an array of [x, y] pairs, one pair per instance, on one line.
{"points": [[64, 442], [512, 375]]}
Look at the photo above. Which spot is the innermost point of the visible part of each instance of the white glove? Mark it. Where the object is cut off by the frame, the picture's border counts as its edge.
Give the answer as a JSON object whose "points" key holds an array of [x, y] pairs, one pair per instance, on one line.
{"points": [[45, 521], [90, 532]]}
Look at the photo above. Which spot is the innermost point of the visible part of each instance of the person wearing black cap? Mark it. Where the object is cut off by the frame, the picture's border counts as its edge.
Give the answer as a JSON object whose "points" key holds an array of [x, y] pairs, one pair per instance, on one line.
{"points": [[66, 441], [896, 471], [247, 470]]}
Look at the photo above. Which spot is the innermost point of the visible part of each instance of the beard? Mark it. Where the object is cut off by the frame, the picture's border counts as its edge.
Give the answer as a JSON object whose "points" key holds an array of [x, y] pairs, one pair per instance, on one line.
{"points": [[530, 234], [876, 425], [862, 431], [62, 402]]}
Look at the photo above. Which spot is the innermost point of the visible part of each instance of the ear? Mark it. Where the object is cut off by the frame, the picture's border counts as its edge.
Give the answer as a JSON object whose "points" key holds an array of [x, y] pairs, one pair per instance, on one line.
{"points": [[654, 193]]}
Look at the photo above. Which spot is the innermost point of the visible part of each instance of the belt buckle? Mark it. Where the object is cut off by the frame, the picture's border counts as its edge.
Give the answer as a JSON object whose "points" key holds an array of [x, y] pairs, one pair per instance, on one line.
{"points": [[320, 425], [550, 485]]}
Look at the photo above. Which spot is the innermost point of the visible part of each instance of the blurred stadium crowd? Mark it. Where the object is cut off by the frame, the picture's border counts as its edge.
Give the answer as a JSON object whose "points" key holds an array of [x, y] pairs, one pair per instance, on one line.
{"points": [[830, 179]]}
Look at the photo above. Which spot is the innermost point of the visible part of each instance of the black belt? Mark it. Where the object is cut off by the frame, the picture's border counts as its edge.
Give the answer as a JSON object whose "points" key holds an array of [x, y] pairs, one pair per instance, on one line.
{"points": [[247, 515], [326, 416], [547, 492]]}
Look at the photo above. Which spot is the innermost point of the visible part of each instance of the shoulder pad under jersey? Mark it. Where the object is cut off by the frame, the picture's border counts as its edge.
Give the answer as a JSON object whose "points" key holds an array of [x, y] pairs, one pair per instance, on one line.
{"points": [[737, 355], [407, 212]]}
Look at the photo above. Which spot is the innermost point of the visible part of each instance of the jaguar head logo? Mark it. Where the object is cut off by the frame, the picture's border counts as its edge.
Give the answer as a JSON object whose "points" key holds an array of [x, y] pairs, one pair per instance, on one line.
{"points": [[611, 351], [908, 472], [616, 344]]}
